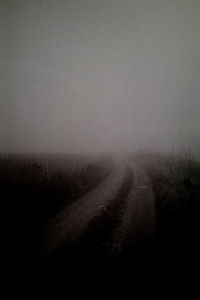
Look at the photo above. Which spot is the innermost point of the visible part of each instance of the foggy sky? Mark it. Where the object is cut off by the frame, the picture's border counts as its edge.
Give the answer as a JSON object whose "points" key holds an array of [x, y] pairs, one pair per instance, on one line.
{"points": [[83, 75]]}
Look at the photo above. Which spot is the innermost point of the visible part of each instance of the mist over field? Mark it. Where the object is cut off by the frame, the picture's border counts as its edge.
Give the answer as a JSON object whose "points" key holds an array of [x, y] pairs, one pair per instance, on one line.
{"points": [[100, 145], [97, 76]]}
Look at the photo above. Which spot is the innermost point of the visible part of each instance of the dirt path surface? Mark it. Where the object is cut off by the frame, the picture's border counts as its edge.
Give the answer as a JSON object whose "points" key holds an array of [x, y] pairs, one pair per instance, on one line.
{"points": [[119, 212], [68, 227]]}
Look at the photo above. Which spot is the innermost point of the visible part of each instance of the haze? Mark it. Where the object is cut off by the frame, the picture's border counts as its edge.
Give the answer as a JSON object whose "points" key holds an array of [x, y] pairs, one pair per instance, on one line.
{"points": [[95, 76]]}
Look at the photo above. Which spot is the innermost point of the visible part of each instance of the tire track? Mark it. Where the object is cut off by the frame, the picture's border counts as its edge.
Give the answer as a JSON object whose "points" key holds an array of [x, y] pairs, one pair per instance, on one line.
{"points": [[137, 228], [100, 230]]}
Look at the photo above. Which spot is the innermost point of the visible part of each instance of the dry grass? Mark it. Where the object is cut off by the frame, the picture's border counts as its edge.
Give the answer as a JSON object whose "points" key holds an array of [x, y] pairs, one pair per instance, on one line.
{"points": [[177, 192]]}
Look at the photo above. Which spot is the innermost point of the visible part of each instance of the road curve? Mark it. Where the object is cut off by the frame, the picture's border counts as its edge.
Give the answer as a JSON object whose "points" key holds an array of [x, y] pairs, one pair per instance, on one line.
{"points": [[68, 227]]}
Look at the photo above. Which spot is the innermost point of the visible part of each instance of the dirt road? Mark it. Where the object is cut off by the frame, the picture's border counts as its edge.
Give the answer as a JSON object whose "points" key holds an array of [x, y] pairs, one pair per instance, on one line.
{"points": [[123, 205]]}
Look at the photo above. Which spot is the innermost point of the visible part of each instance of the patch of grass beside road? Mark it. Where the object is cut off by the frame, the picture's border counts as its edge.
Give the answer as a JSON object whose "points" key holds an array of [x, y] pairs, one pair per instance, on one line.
{"points": [[176, 186]]}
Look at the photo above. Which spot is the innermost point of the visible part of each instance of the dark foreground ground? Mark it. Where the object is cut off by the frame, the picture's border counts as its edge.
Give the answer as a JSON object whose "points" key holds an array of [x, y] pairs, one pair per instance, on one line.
{"points": [[34, 190]]}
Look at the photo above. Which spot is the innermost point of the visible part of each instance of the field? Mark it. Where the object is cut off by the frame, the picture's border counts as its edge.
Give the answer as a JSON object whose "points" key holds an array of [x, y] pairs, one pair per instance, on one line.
{"points": [[36, 187]]}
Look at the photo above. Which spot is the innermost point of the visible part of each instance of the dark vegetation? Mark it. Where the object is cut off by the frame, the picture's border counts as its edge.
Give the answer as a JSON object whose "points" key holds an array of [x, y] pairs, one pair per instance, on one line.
{"points": [[34, 189], [176, 186]]}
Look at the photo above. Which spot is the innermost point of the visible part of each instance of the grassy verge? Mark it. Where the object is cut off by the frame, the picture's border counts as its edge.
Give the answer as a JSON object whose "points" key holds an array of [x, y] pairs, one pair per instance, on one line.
{"points": [[176, 186]]}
